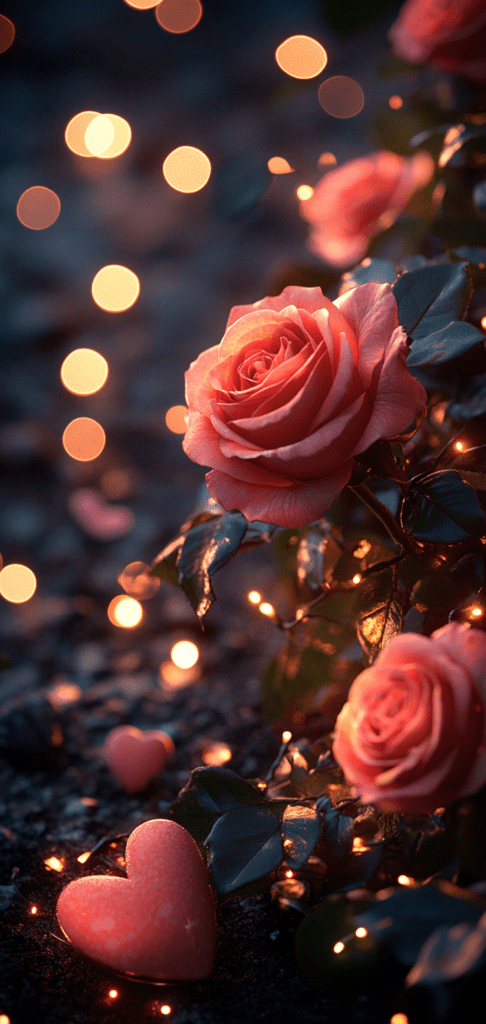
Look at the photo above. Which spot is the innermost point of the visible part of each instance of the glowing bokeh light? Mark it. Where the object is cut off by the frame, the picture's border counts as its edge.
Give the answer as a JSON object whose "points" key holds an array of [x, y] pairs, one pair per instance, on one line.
{"points": [[175, 419], [136, 581], [405, 880], [115, 288], [477, 612], [301, 57], [17, 583], [84, 371], [84, 439], [83, 857], [173, 678], [125, 611], [357, 578], [286, 736], [54, 864], [186, 169], [278, 165], [99, 135], [304, 192], [459, 446], [399, 1018], [395, 102], [7, 36], [63, 694], [166, 1009], [267, 609], [116, 483], [327, 160], [38, 208], [179, 15], [122, 137], [341, 96], [184, 654], [113, 994], [142, 5], [483, 323], [33, 910], [76, 130], [338, 947], [254, 597], [289, 873], [361, 933], [215, 754]]}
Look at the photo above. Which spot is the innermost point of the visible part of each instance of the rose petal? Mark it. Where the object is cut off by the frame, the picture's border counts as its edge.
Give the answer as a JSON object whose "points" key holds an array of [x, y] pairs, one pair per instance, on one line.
{"points": [[296, 506]]}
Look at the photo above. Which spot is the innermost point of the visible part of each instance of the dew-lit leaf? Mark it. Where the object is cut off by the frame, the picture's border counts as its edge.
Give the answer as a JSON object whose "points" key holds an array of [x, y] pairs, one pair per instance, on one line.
{"points": [[442, 508], [449, 953], [316, 557], [380, 617], [301, 831], [337, 827], [209, 793], [245, 844], [207, 547], [165, 564]]}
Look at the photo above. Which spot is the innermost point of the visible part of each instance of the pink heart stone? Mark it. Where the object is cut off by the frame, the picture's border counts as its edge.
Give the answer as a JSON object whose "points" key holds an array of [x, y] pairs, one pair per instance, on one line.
{"points": [[135, 757], [159, 922], [95, 517]]}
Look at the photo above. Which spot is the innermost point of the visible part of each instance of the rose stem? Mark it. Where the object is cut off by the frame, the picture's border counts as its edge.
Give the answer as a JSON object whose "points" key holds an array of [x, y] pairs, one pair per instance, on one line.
{"points": [[383, 514]]}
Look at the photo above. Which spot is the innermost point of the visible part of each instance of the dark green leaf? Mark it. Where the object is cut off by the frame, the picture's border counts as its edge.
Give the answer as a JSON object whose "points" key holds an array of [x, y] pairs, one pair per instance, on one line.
{"points": [[317, 555], [208, 794], [472, 402], [348, 973], [447, 586], [404, 921], [337, 827], [245, 844], [301, 831], [206, 549], [443, 345], [165, 564], [449, 953], [380, 617], [378, 271], [442, 508], [430, 298], [386, 459]]}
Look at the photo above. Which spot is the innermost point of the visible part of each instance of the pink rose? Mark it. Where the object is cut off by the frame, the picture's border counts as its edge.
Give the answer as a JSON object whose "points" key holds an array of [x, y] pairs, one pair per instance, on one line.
{"points": [[353, 203], [412, 736], [449, 33], [296, 388]]}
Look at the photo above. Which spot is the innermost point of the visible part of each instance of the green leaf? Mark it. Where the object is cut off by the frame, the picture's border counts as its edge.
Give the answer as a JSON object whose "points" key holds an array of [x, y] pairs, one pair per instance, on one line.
{"points": [[386, 459], [445, 344], [206, 548], [375, 270], [316, 557], [245, 844], [431, 297], [301, 831], [449, 953], [165, 564], [443, 509], [208, 794], [337, 827], [381, 615]]}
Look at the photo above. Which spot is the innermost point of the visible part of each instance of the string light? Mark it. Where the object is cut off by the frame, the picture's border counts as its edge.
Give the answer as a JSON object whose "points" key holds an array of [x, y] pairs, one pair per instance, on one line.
{"points": [[459, 446], [184, 654], [357, 578], [278, 165], [289, 874], [267, 609], [405, 880], [84, 371], [177, 17], [176, 419], [286, 736], [301, 57], [115, 288], [113, 994], [216, 754], [254, 597], [54, 864], [186, 169], [38, 208], [34, 911], [99, 135], [304, 192], [338, 947], [17, 583], [84, 439], [361, 933], [477, 612], [125, 611]]}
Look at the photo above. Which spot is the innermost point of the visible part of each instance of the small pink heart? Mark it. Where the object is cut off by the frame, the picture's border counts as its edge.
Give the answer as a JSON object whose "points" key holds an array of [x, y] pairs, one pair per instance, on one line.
{"points": [[159, 922], [135, 757], [99, 520]]}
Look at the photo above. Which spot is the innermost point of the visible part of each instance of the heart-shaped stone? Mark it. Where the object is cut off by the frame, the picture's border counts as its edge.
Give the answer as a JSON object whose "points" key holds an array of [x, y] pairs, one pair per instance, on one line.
{"points": [[135, 757], [96, 518], [159, 922]]}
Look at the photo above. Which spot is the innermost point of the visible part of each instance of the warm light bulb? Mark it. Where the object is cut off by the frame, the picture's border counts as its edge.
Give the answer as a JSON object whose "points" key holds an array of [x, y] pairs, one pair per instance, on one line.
{"points": [[289, 874], [115, 288], [17, 583], [286, 736], [304, 192], [54, 863], [34, 911], [459, 446], [301, 57], [405, 880], [338, 947], [477, 612], [357, 578], [166, 1009], [83, 857], [254, 597], [267, 609], [184, 654], [360, 933], [186, 169], [125, 611], [113, 994], [84, 371]]}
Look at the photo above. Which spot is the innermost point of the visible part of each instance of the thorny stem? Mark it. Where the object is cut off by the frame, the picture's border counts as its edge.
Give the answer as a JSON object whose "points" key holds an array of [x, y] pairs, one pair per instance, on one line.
{"points": [[369, 499]]}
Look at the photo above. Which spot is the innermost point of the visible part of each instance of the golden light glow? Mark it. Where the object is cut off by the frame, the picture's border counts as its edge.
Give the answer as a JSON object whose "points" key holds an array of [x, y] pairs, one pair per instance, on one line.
{"points": [[326, 160], [459, 446], [173, 678], [360, 933], [75, 132], [341, 96], [184, 654], [395, 102], [115, 288], [483, 323], [477, 612], [301, 57], [83, 857], [278, 165], [116, 483], [216, 754], [125, 611], [165, 1009], [405, 880], [179, 15], [99, 135], [305, 192], [17, 583], [122, 137], [136, 581], [84, 439], [175, 419], [84, 371], [399, 1018], [186, 169], [338, 947], [113, 994], [64, 694], [33, 910], [7, 36], [254, 597], [286, 736], [54, 863], [289, 873], [357, 578], [359, 845], [142, 5], [267, 609], [38, 208]]}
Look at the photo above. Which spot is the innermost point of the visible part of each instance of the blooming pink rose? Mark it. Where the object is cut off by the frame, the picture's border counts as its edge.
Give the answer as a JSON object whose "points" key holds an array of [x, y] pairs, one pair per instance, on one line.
{"points": [[296, 388], [353, 203], [412, 736], [449, 33]]}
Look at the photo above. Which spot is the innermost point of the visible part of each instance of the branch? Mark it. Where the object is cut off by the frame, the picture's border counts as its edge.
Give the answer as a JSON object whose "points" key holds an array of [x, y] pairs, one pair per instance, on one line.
{"points": [[395, 531]]}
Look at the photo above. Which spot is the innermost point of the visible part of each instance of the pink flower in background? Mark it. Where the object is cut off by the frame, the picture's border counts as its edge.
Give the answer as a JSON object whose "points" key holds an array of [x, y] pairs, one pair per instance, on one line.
{"points": [[412, 736], [449, 33], [297, 387], [353, 203]]}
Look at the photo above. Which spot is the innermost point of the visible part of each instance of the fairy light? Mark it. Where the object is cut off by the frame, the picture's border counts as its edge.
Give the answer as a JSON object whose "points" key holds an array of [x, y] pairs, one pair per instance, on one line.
{"points": [[7, 36], [83, 857], [267, 609], [84, 439], [357, 578], [184, 654], [254, 597], [115, 288], [215, 754], [341, 96], [476, 612], [177, 17], [301, 57], [338, 947], [304, 192], [399, 1018], [113, 994], [17, 583], [459, 446], [286, 736], [289, 874], [395, 102], [38, 208], [326, 160], [33, 910], [166, 1009], [483, 323], [361, 933], [99, 135], [358, 845], [125, 611], [405, 880], [187, 169], [62, 694], [54, 864], [176, 419], [84, 371], [279, 165]]}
